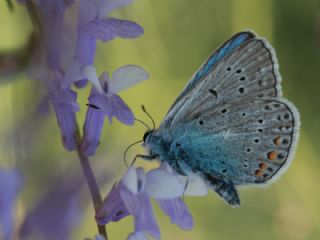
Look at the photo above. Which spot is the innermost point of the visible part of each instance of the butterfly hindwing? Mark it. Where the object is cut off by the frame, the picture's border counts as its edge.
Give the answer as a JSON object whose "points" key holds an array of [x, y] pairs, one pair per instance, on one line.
{"points": [[247, 142]]}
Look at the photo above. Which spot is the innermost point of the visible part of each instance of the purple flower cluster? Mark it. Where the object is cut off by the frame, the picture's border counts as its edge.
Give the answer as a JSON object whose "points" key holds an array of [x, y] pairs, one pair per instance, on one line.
{"points": [[131, 196], [70, 31]]}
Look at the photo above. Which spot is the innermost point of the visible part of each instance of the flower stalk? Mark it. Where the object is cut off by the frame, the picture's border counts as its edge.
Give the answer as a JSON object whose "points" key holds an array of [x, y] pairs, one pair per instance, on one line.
{"points": [[92, 184]]}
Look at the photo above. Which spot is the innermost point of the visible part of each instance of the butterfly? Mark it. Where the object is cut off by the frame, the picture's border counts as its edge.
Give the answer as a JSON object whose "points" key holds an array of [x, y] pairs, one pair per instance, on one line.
{"points": [[230, 124]]}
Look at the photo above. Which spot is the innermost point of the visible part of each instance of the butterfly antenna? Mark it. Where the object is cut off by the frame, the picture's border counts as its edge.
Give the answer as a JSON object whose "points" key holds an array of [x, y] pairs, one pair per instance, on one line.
{"points": [[143, 123], [148, 114], [125, 153]]}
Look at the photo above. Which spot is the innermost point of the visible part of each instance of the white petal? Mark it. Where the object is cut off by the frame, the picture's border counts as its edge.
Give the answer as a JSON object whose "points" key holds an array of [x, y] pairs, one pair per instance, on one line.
{"points": [[195, 185], [91, 73], [130, 180], [125, 77], [161, 184]]}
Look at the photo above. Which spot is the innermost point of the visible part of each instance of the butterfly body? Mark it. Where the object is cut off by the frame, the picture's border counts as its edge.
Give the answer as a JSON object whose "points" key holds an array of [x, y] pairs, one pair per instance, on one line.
{"points": [[230, 124]]}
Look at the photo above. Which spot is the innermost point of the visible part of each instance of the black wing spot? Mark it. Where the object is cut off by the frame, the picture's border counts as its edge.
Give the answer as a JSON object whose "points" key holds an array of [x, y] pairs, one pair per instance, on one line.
{"points": [[260, 121], [244, 114], [248, 150], [224, 110], [268, 108], [213, 92], [239, 71], [229, 69], [224, 170], [241, 90], [286, 116], [285, 141], [201, 122], [260, 130], [256, 140], [242, 78]]}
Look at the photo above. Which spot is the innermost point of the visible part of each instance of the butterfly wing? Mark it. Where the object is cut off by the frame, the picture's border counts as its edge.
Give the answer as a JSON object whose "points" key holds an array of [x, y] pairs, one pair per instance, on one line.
{"points": [[230, 122], [229, 46]]}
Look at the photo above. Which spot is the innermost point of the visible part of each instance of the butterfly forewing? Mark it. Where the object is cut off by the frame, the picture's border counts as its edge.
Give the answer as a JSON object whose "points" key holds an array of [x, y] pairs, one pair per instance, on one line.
{"points": [[249, 72]]}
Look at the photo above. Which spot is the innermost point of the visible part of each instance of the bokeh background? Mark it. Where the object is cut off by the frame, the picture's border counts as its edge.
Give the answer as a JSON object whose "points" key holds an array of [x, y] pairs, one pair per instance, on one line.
{"points": [[179, 36]]}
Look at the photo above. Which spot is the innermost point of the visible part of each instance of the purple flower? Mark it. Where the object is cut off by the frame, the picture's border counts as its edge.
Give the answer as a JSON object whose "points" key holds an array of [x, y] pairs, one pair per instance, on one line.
{"points": [[104, 101], [132, 196], [10, 186], [57, 213], [65, 105], [93, 26]]}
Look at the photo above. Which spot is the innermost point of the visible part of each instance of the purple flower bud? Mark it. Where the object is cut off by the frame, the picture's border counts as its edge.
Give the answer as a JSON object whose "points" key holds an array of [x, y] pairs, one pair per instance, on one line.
{"points": [[113, 208], [93, 124], [65, 106]]}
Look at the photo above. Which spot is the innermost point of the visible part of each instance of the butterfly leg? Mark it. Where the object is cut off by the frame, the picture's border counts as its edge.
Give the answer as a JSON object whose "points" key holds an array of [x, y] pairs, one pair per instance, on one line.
{"points": [[225, 190], [147, 157]]}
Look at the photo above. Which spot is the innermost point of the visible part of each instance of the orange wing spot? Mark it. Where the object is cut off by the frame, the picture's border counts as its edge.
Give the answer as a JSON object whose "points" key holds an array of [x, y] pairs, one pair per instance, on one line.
{"points": [[272, 155], [277, 141], [258, 173], [262, 166]]}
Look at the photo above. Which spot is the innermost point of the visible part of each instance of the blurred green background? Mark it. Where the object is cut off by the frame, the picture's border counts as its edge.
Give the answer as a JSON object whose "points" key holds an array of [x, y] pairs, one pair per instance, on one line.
{"points": [[179, 36]]}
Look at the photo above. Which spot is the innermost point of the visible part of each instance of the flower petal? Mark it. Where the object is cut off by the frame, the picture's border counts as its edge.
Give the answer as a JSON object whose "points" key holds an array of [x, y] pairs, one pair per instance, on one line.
{"points": [[139, 205], [10, 186], [119, 109], [73, 74], [88, 10], [90, 72], [177, 211], [81, 83], [195, 185], [162, 184], [92, 130], [125, 77], [132, 177], [110, 28], [113, 208], [65, 106], [62, 206], [86, 47], [137, 236]]}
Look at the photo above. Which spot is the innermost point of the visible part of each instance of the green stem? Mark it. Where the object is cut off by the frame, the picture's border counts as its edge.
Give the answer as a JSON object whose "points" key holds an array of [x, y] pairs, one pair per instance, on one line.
{"points": [[93, 186]]}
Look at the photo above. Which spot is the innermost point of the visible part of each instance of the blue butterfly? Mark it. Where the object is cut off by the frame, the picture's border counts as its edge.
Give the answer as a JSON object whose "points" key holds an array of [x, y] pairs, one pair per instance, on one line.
{"points": [[230, 124]]}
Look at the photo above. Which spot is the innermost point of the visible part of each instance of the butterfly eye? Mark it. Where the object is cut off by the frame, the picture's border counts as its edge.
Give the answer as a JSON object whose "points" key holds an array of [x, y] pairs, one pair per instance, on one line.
{"points": [[146, 135]]}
